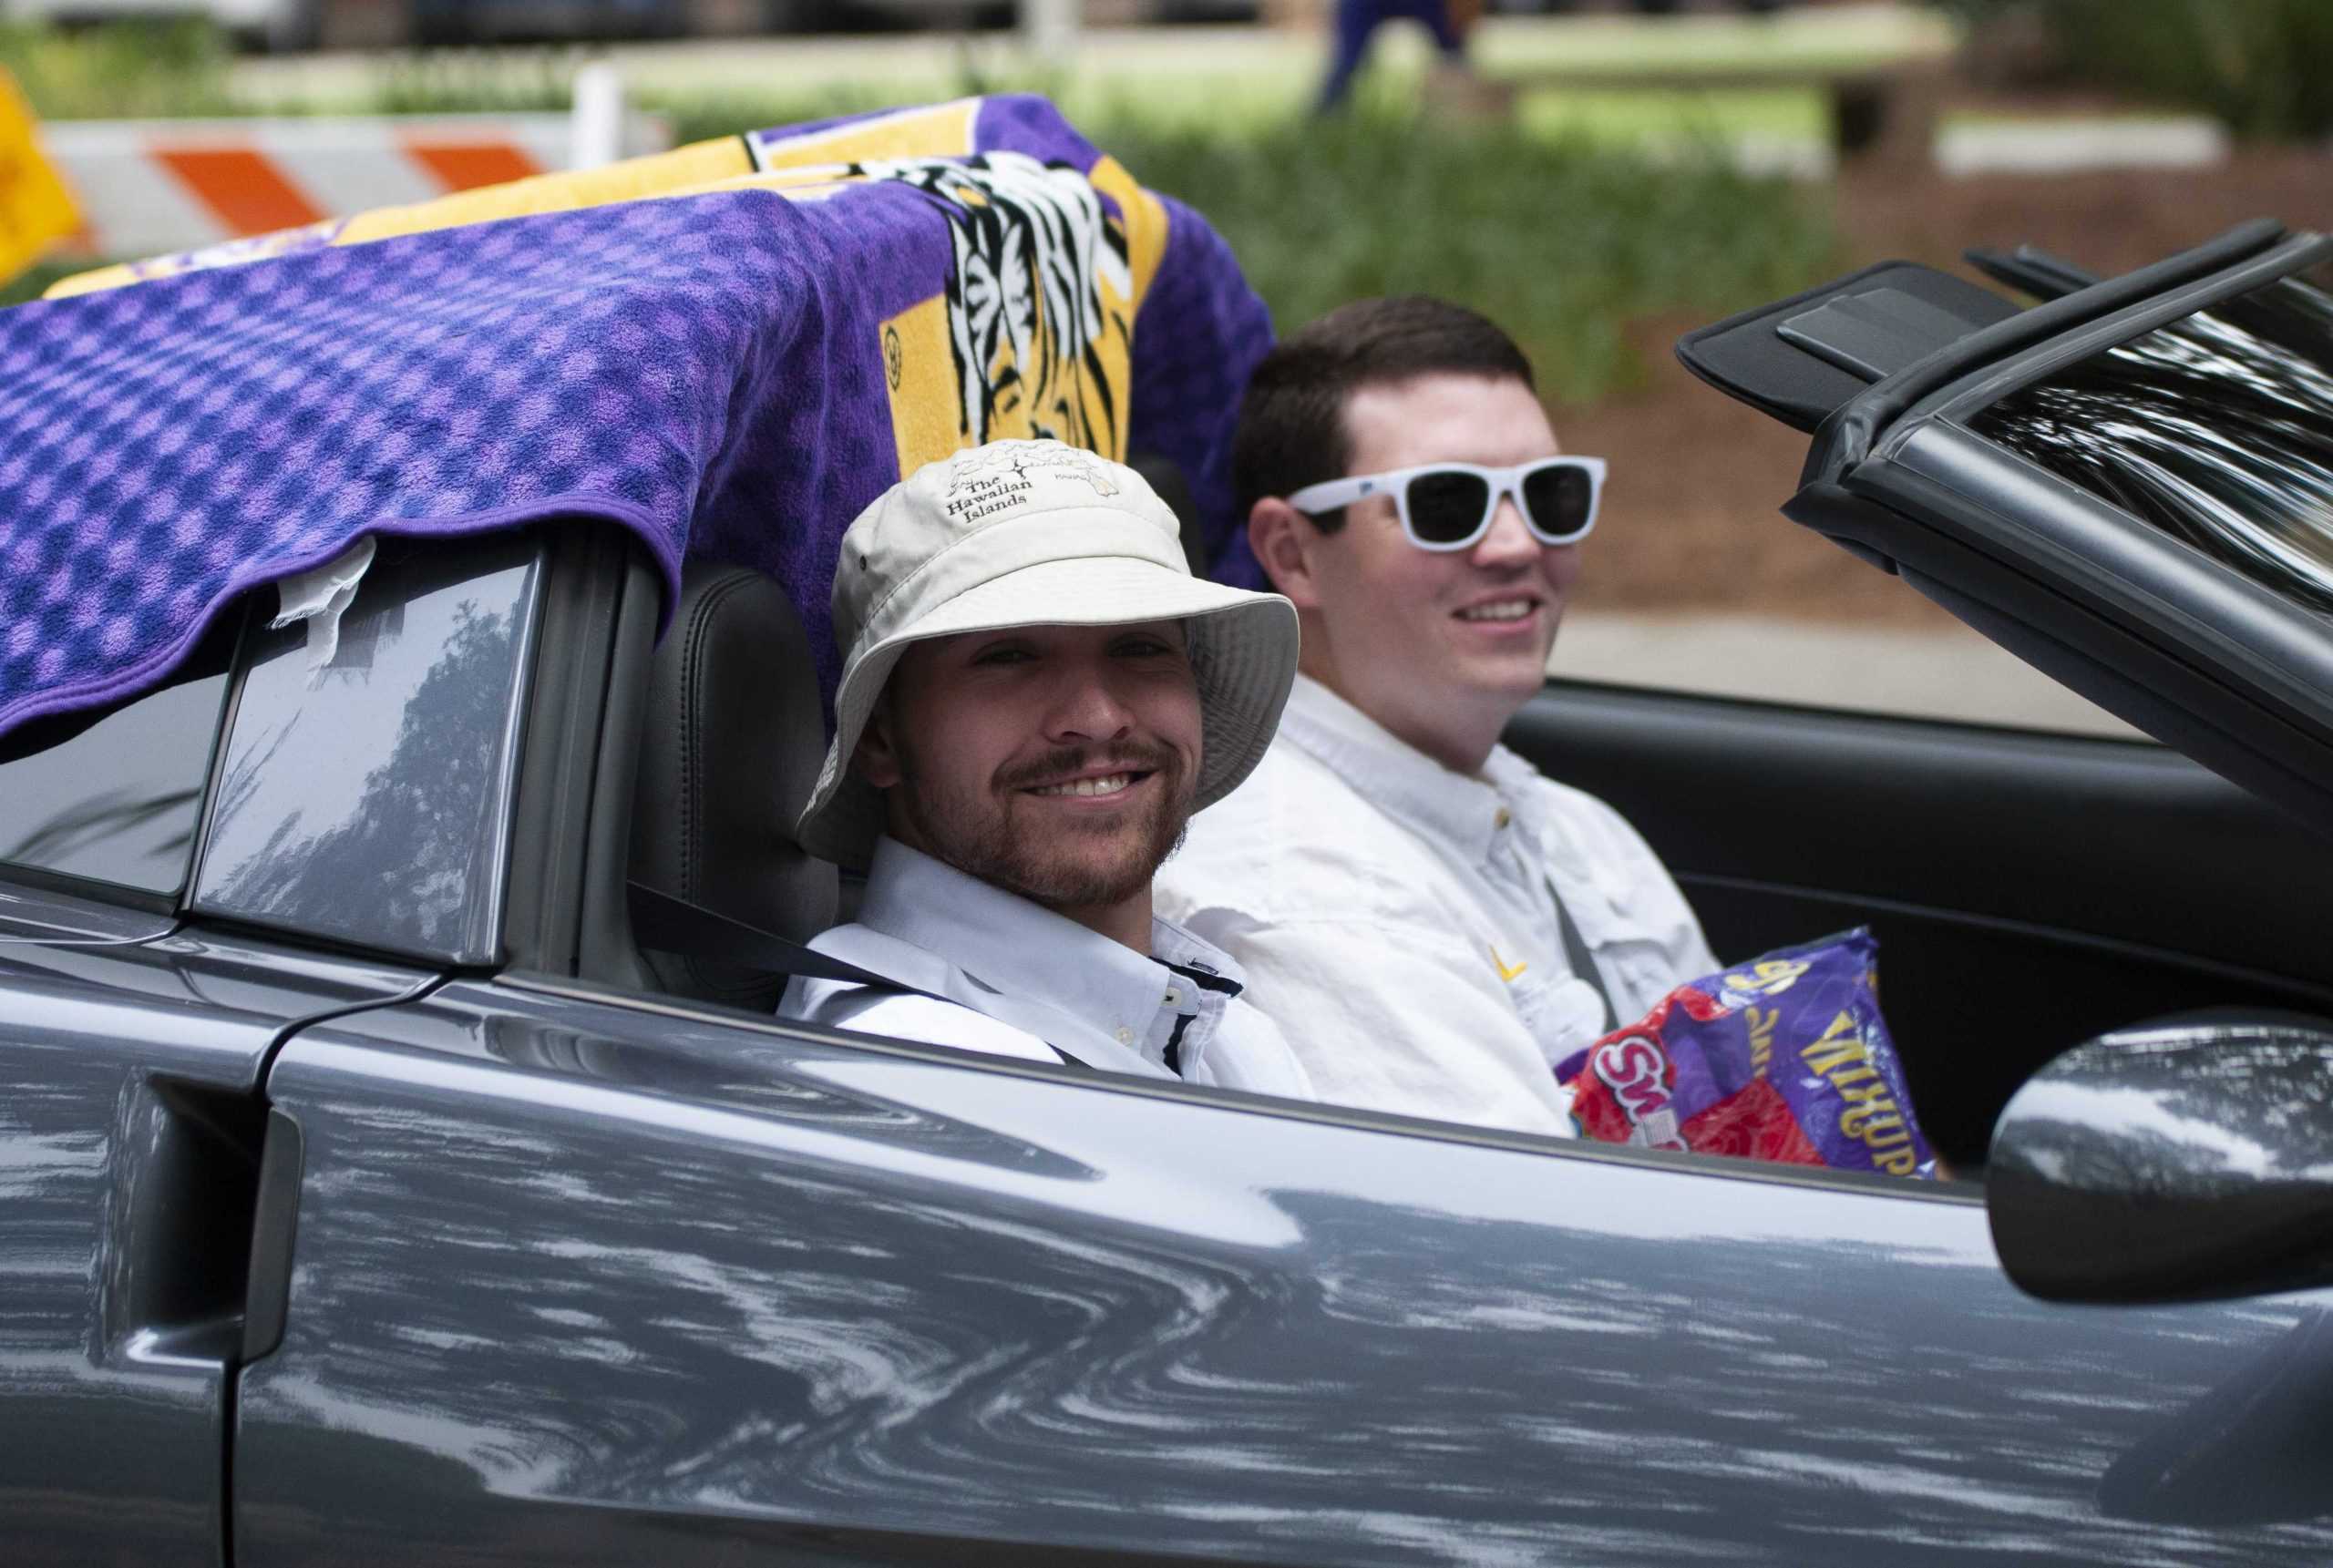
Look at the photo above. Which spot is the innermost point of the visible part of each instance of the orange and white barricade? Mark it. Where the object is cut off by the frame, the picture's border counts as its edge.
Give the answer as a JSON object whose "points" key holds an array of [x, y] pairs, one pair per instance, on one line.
{"points": [[147, 186]]}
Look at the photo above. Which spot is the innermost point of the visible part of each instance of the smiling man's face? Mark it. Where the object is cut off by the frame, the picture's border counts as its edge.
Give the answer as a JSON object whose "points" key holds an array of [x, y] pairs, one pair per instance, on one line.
{"points": [[1440, 647], [1054, 762]]}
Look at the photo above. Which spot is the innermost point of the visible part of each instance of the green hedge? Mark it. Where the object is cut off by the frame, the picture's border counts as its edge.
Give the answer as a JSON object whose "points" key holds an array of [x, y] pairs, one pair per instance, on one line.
{"points": [[127, 70], [1565, 244]]}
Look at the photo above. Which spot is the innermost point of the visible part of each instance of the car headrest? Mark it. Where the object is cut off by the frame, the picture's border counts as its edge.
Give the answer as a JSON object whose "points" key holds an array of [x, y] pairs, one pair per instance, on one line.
{"points": [[1161, 474], [730, 749]]}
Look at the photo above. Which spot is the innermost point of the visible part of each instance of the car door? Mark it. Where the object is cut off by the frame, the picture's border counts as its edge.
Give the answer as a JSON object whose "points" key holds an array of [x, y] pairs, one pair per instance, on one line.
{"points": [[585, 1276], [132, 1132]]}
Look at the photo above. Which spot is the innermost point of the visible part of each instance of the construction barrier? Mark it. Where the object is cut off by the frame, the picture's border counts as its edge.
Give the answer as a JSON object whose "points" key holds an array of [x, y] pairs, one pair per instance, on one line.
{"points": [[147, 186]]}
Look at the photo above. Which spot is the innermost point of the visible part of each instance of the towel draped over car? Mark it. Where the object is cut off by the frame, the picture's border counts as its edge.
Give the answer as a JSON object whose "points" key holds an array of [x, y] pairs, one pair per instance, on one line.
{"points": [[729, 349]]}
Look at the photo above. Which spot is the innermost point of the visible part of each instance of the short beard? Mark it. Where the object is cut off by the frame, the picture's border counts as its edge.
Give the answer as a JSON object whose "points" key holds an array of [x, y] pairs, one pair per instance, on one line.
{"points": [[982, 840]]}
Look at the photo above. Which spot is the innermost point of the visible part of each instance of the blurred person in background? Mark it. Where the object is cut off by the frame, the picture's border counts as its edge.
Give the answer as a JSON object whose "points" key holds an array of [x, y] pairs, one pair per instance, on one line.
{"points": [[1432, 923], [1356, 21]]}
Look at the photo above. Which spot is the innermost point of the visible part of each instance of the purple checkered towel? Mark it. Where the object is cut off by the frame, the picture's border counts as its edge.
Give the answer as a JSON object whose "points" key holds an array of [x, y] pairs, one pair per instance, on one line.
{"points": [[731, 374]]}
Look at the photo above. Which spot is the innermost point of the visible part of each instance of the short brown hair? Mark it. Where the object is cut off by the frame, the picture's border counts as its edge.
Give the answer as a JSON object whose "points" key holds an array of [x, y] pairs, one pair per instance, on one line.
{"points": [[1291, 431]]}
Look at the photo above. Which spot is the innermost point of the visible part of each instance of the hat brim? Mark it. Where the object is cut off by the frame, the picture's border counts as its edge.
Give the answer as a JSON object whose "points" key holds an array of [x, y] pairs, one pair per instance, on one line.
{"points": [[1243, 650]]}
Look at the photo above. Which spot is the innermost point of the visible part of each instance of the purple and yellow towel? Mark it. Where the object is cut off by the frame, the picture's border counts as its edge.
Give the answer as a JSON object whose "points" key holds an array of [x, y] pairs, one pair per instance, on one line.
{"points": [[730, 349]]}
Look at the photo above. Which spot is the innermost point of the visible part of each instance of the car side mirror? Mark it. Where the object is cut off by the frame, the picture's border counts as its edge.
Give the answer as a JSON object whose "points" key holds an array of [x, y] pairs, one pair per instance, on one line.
{"points": [[2185, 1159]]}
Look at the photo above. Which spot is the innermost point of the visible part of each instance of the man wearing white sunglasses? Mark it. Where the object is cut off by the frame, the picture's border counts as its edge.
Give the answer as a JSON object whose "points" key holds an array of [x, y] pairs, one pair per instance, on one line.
{"points": [[1431, 923]]}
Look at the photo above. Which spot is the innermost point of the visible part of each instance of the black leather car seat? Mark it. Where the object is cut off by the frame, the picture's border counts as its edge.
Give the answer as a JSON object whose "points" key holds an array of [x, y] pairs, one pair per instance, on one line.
{"points": [[1160, 472], [730, 750]]}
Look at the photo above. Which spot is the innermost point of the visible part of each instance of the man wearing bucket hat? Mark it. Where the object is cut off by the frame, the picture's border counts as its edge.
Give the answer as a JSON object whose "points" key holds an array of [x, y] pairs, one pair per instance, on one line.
{"points": [[1035, 695]]}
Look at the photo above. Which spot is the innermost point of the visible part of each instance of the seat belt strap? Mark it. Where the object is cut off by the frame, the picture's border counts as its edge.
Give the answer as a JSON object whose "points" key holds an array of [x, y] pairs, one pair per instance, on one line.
{"points": [[675, 925], [686, 930], [1583, 962]]}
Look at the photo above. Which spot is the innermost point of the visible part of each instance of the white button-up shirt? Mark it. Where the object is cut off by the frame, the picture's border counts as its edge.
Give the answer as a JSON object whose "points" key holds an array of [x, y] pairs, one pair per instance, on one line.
{"points": [[1003, 974], [1399, 920]]}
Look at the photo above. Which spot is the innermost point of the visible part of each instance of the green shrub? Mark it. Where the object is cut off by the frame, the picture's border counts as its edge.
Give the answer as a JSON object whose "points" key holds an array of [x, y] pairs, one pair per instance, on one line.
{"points": [[475, 81], [1563, 244], [2263, 67], [127, 70]]}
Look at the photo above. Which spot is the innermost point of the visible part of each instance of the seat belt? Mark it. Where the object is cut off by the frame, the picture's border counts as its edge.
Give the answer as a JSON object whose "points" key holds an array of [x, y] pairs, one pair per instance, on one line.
{"points": [[675, 925], [686, 930], [1583, 963]]}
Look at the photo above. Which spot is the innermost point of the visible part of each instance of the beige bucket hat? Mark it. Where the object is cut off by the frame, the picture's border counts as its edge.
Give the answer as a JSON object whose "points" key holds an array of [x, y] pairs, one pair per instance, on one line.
{"points": [[1035, 533]]}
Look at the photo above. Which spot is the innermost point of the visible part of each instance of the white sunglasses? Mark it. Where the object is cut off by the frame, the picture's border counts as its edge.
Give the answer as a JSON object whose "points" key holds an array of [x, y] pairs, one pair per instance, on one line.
{"points": [[1449, 506]]}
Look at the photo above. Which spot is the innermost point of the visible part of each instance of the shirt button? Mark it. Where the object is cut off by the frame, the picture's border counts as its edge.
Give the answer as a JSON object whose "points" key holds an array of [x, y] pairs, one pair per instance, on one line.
{"points": [[1502, 819], [1125, 1037]]}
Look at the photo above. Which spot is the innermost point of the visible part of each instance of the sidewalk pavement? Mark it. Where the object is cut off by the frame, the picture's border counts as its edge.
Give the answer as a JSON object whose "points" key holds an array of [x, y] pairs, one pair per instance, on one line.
{"points": [[1948, 674]]}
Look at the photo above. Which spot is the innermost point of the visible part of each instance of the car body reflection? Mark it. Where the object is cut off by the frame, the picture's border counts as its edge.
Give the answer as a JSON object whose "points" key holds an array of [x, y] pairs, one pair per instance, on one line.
{"points": [[621, 1266]]}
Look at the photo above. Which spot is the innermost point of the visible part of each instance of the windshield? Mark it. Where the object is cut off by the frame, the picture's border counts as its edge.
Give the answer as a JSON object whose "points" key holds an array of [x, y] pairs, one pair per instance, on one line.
{"points": [[2218, 430]]}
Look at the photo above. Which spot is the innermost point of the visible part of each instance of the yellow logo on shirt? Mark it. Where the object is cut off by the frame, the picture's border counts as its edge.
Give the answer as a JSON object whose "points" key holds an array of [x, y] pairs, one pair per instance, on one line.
{"points": [[1503, 972]]}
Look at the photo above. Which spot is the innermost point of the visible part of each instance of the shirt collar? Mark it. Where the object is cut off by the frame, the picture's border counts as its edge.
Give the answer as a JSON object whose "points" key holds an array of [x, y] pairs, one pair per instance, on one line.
{"points": [[1394, 776], [1024, 949]]}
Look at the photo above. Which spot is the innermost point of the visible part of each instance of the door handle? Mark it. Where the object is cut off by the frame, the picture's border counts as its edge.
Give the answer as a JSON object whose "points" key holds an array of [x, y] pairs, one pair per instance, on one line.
{"points": [[175, 1263]]}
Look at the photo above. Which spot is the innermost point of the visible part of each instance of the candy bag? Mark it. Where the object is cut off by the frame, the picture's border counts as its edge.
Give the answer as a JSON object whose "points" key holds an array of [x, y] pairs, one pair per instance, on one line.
{"points": [[1785, 1058]]}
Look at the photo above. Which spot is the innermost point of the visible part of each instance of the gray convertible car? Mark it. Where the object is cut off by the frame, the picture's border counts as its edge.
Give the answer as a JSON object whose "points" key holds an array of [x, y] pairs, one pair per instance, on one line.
{"points": [[399, 1162]]}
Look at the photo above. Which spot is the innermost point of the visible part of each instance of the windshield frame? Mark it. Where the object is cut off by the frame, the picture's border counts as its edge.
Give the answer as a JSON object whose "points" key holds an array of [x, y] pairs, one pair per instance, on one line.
{"points": [[2169, 414], [2205, 657], [1961, 400]]}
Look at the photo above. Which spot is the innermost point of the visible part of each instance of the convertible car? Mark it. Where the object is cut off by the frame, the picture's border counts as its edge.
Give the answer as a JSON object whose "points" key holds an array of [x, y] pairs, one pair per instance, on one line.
{"points": [[399, 1162]]}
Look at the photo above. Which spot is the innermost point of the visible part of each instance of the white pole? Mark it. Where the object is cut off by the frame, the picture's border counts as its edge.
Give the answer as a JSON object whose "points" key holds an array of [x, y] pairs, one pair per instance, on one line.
{"points": [[1049, 28], [598, 137]]}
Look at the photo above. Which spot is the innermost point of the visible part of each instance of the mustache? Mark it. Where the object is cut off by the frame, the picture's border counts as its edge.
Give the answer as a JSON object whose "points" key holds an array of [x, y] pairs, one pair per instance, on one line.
{"points": [[1125, 757]]}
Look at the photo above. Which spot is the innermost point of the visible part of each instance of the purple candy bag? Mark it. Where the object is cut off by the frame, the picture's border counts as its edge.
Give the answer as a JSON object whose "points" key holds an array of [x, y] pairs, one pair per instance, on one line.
{"points": [[1785, 1058]]}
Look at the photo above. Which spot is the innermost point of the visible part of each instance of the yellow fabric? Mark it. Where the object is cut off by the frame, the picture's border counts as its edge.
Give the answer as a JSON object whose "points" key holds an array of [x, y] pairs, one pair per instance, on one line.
{"points": [[659, 174], [941, 129], [919, 367], [1145, 221], [1037, 383]]}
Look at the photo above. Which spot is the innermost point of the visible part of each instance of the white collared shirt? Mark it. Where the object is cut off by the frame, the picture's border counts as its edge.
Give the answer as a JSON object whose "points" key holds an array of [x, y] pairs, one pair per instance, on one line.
{"points": [[1399, 920], [1014, 975]]}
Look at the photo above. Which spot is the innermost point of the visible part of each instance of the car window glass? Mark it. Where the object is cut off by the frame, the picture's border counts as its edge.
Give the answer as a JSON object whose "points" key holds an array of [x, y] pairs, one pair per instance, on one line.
{"points": [[387, 767], [116, 800], [2218, 430]]}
